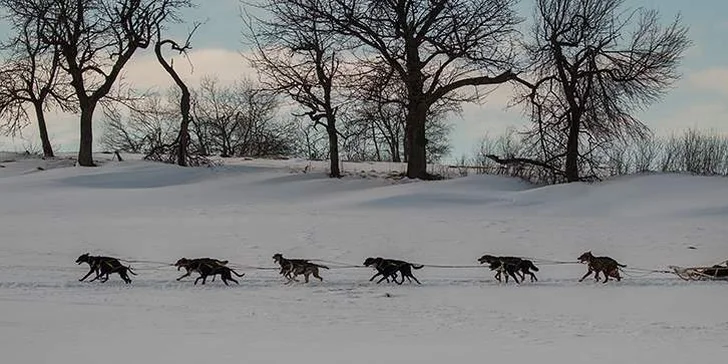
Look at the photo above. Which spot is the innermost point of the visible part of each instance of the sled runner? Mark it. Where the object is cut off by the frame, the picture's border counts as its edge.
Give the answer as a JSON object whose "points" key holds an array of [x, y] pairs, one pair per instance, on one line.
{"points": [[716, 272]]}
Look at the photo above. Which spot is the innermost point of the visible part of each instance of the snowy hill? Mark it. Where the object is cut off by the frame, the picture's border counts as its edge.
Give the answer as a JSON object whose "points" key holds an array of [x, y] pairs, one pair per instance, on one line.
{"points": [[246, 211]]}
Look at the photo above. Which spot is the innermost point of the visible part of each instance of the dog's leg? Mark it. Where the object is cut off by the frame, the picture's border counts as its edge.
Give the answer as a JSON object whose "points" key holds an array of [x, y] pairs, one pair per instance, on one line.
{"points": [[125, 277], [229, 277], [185, 275], [521, 273], [415, 278], [100, 275], [586, 275], [376, 275], [616, 275], [498, 274], [515, 276], [394, 275], [315, 274], [87, 274]]}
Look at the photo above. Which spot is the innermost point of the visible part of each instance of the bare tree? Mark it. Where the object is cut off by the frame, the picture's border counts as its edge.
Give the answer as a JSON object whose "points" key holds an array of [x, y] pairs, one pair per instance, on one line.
{"points": [[239, 117], [31, 77], [376, 132], [297, 56], [378, 118], [236, 119], [594, 63], [95, 40], [437, 48], [308, 142], [182, 142], [142, 125]]}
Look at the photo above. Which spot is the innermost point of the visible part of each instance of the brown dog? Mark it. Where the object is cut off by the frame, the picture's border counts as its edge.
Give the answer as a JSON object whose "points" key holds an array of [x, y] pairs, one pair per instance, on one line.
{"points": [[291, 268], [607, 265]]}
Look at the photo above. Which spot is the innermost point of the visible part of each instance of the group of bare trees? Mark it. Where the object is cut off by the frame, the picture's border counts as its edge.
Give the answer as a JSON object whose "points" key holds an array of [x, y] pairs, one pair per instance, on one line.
{"points": [[362, 79], [228, 120], [398, 66], [693, 151], [68, 54], [593, 64], [428, 55]]}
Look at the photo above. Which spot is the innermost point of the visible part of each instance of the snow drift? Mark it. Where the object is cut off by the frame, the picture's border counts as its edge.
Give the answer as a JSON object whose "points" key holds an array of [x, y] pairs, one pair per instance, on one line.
{"points": [[249, 210]]}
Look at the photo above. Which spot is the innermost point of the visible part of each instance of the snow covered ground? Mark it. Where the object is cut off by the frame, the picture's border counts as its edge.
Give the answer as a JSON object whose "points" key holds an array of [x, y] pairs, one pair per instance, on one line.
{"points": [[248, 210]]}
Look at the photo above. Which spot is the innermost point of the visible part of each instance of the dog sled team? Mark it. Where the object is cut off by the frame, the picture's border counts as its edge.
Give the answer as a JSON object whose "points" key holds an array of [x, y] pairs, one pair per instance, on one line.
{"points": [[386, 269]]}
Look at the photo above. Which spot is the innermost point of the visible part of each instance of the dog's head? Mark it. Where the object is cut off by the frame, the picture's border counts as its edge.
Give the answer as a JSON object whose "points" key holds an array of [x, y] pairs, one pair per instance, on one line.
{"points": [[372, 261], [586, 257], [183, 262], [487, 259], [277, 257], [83, 259]]}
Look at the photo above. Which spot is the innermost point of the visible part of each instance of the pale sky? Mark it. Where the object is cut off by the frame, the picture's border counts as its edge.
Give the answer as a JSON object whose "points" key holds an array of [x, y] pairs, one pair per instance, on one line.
{"points": [[700, 99]]}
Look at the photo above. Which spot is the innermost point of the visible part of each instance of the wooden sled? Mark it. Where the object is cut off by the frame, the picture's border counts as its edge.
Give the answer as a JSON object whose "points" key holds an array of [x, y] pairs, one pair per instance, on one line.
{"points": [[714, 273]]}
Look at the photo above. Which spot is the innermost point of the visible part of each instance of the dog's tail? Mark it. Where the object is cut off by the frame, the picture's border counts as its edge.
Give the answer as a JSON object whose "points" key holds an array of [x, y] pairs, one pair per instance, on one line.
{"points": [[622, 265], [417, 266], [236, 273], [128, 268], [322, 266]]}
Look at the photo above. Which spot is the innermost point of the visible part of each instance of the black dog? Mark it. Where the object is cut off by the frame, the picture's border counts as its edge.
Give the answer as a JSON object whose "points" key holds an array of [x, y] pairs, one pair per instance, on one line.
{"points": [[511, 266], [207, 267], [190, 265], [388, 268], [103, 266]]}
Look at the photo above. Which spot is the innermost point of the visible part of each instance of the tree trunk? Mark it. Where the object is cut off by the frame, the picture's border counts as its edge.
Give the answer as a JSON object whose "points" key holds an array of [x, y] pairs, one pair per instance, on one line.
{"points": [[184, 134], [85, 150], [416, 142], [333, 150], [394, 149], [183, 138], [572, 151], [43, 129]]}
